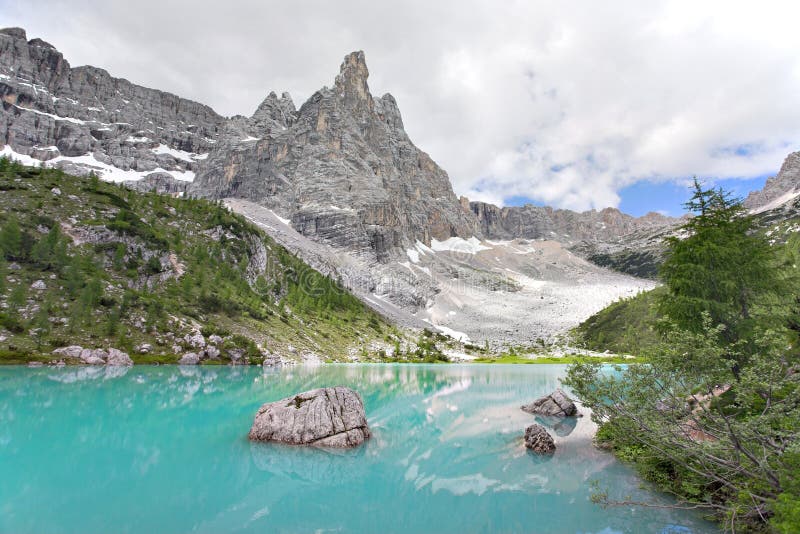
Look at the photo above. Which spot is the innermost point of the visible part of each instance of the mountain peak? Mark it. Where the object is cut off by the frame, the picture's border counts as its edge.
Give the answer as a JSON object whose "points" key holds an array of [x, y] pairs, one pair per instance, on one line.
{"points": [[17, 33], [352, 78]]}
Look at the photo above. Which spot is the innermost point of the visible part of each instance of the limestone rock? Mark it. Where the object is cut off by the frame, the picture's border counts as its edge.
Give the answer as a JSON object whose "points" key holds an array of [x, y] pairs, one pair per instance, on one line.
{"points": [[72, 351], [93, 356], [144, 348], [211, 352], [158, 182], [117, 357], [341, 168], [556, 404], [538, 440], [327, 417], [236, 355], [50, 109], [190, 358], [195, 340], [39, 285], [781, 186]]}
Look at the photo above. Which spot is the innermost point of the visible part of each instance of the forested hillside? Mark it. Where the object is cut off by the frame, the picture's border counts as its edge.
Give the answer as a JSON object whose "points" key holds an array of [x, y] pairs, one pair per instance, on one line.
{"points": [[88, 263]]}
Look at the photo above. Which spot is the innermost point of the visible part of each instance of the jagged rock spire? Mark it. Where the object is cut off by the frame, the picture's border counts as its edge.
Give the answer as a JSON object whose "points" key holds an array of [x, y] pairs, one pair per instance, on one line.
{"points": [[351, 83]]}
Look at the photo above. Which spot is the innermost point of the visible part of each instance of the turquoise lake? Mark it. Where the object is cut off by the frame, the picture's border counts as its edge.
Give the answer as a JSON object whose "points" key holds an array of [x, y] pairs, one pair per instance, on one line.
{"points": [[165, 449]]}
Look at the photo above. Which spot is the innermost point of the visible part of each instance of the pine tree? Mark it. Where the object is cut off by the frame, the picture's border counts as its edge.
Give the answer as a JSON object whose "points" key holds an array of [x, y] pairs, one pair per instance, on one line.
{"points": [[719, 265], [11, 239]]}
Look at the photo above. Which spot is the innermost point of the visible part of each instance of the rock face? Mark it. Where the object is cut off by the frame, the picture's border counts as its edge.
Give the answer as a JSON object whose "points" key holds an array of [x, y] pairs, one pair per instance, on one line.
{"points": [[82, 119], [538, 440], [556, 404], [328, 417], [158, 182], [565, 226], [341, 168], [783, 186]]}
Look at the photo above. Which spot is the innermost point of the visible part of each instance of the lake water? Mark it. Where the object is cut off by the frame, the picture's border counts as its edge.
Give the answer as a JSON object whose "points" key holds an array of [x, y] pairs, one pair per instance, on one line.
{"points": [[165, 449]]}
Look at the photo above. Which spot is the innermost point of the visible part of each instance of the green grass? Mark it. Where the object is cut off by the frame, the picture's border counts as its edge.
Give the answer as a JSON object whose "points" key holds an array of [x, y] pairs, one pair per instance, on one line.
{"points": [[107, 257], [626, 326]]}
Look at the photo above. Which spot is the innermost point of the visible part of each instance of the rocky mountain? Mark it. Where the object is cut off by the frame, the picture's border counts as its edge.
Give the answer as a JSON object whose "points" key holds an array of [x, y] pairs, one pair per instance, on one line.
{"points": [[566, 226], [341, 168], [339, 183], [82, 119], [778, 190]]}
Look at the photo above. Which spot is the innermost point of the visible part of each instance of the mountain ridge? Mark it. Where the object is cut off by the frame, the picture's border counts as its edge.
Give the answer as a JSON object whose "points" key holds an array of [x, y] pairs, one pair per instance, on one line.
{"points": [[140, 150]]}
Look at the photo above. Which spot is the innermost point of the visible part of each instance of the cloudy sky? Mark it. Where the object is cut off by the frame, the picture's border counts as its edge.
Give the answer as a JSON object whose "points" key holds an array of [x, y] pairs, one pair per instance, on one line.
{"points": [[576, 104]]}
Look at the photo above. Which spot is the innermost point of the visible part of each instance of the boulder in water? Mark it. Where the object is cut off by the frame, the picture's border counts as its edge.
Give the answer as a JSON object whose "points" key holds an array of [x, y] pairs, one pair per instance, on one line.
{"points": [[556, 404], [538, 440], [327, 417]]}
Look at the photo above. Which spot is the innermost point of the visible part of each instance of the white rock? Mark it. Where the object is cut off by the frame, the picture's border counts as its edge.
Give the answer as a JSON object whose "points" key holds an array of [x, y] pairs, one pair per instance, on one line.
{"points": [[72, 351], [93, 356], [190, 358], [38, 285], [117, 357], [195, 340]]}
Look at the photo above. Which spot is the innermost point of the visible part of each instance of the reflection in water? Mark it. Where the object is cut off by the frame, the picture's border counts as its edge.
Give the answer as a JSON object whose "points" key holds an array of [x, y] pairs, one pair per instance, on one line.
{"points": [[561, 426], [447, 454]]}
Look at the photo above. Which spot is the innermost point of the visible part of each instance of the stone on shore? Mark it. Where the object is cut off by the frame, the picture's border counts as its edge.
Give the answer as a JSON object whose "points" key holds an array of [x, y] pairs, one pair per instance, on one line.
{"points": [[327, 417], [72, 351], [190, 358], [539, 440], [93, 356], [117, 357], [556, 404]]}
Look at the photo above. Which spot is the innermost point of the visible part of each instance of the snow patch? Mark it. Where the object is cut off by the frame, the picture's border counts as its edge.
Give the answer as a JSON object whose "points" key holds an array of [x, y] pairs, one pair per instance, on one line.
{"points": [[55, 117], [175, 153], [133, 139], [413, 255], [106, 172], [458, 244]]}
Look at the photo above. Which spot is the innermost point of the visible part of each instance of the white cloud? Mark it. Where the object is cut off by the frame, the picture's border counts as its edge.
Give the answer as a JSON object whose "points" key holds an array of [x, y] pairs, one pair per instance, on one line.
{"points": [[563, 102]]}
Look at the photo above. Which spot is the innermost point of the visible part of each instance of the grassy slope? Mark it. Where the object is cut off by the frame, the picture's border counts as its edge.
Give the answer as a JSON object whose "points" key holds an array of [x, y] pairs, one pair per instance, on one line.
{"points": [[627, 326], [109, 259]]}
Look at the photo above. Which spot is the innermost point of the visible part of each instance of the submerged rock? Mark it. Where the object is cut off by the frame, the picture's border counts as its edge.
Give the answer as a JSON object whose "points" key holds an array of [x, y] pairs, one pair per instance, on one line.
{"points": [[556, 404], [537, 439], [327, 417]]}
